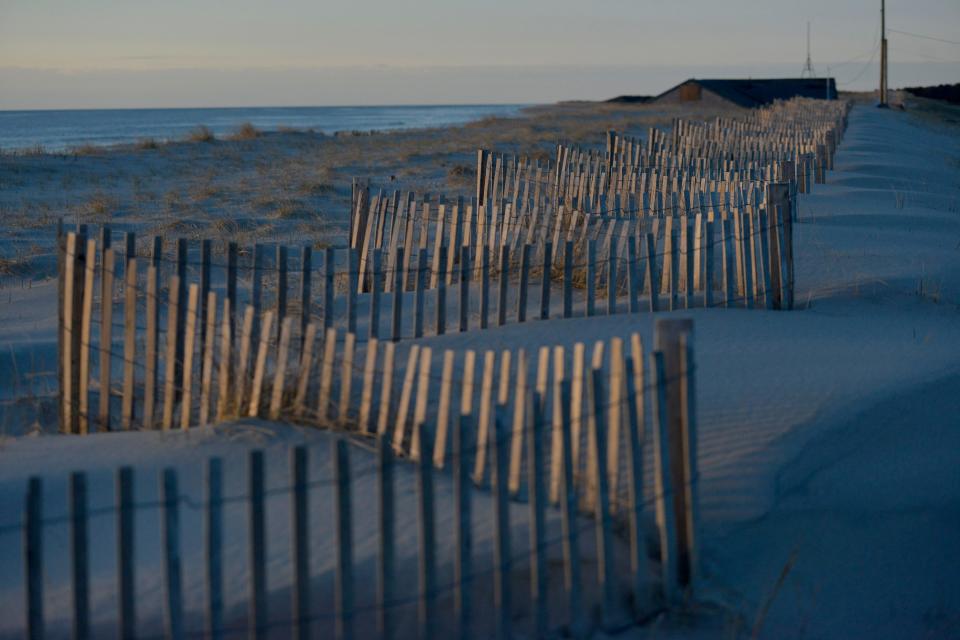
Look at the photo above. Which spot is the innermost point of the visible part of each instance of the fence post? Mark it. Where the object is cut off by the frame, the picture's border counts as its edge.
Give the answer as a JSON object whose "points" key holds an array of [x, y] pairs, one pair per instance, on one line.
{"points": [[206, 383], [61, 324], [304, 369], [727, 260], [708, 265], [226, 351], [343, 517], [79, 558], [568, 279], [129, 341], [484, 286], [443, 410], [568, 512], [406, 391], [396, 324], [746, 224], [386, 387], [106, 337], [300, 548], [504, 285], [688, 271], [326, 375], [545, 281], [257, 613], [673, 338], [182, 249], [346, 379], [427, 551], [125, 558], [484, 427], [611, 275], [537, 503], [205, 251], [375, 287], [462, 528], [329, 273], [524, 283], [86, 322], [232, 289], [774, 220], [663, 487], [519, 426], [673, 256], [765, 261], [652, 276], [632, 275], [279, 377], [281, 311], [352, 273], [170, 500], [214, 548], [688, 414], [464, 287], [189, 348], [67, 329], [306, 271], [386, 541], [441, 324], [256, 286], [501, 535], [169, 379], [366, 395], [778, 195], [638, 547], [601, 504], [260, 366], [419, 293], [591, 276], [33, 554]]}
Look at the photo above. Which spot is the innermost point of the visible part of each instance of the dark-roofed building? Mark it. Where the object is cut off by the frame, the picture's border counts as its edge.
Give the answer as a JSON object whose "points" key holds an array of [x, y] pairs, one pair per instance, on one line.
{"points": [[749, 93]]}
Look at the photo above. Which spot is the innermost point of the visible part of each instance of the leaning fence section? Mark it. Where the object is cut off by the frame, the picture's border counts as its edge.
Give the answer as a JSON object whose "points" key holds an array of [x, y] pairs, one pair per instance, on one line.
{"points": [[690, 189], [561, 445], [142, 328]]}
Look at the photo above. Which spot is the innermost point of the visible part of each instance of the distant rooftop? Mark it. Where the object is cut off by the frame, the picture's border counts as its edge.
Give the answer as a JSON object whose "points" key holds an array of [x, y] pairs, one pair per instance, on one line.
{"points": [[758, 92]]}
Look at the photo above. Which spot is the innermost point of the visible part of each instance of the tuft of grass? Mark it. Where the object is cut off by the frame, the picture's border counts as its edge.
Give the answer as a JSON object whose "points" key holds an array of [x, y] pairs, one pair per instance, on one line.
{"points": [[101, 206], [201, 134], [245, 131], [87, 150]]}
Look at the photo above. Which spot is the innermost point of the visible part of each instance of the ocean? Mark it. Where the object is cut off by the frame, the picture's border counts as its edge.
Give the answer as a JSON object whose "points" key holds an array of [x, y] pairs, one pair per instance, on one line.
{"points": [[61, 130]]}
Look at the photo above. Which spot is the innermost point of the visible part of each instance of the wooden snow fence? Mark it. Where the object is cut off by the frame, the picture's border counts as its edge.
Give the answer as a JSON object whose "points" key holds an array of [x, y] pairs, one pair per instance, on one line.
{"points": [[590, 215], [565, 437], [143, 324]]}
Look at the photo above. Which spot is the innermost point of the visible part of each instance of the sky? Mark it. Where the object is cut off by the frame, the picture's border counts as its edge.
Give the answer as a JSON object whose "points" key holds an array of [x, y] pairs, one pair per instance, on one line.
{"points": [[190, 53]]}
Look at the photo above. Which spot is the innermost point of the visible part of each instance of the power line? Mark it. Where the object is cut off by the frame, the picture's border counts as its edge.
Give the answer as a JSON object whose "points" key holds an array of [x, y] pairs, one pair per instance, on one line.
{"points": [[917, 35], [863, 70]]}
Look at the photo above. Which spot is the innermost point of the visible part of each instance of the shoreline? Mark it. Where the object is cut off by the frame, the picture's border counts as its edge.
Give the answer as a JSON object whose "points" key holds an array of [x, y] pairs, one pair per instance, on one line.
{"points": [[322, 120]]}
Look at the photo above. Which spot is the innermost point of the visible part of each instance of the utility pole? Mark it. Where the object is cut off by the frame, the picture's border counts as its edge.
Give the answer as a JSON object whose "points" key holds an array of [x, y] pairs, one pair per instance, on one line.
{"points": [[883, 54]]}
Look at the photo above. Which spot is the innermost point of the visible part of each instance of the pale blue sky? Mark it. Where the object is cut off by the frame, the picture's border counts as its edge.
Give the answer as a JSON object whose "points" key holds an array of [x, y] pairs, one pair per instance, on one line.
{"points": [[125, 53]]}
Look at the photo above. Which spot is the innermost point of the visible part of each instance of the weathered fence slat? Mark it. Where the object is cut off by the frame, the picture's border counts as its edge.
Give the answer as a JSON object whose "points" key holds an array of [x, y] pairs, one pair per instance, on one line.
{"points": [[214, 545], [257, 541], [299, 544], [343, 517], [173, 602], [126, 594]]}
